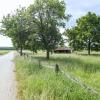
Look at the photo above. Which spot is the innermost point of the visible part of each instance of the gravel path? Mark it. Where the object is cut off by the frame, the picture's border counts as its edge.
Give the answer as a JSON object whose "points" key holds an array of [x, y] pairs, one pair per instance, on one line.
{"points": [[7, 78]]}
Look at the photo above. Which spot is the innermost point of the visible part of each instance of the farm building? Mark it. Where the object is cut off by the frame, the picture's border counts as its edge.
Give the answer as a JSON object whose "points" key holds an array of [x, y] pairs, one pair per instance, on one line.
{"points": [[63, 50]]}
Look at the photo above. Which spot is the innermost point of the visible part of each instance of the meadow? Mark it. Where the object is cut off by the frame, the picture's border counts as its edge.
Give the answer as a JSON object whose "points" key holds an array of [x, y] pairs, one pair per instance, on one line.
{"points": [[37, 79], [2, 52], [5, 50]]}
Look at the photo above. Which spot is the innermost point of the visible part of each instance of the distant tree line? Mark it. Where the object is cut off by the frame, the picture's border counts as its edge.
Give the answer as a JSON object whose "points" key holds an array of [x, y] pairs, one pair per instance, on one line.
{"points": [[7, 48], [36, 27]]}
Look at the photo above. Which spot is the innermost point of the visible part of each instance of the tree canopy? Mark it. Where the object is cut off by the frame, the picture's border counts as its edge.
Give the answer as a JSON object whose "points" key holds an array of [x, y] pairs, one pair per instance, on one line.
{"points": [[36, 27], [85, 35], [15, 26], [47, 16]]}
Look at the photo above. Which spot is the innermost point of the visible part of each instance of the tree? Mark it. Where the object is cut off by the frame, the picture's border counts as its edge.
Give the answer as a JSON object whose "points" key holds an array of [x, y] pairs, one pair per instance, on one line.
{"points": [[85, 31], [88, 24], [74, 39], [15, 26], [47, 17], [37, 26], [33, 43]]}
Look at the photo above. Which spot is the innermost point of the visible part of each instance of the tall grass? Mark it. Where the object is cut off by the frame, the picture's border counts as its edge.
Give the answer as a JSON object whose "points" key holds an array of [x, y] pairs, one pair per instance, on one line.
{"points": [[86, 68], [37, 83]]}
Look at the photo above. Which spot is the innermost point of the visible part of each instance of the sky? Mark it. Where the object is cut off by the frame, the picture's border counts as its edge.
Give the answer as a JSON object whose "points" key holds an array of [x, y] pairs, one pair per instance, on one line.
{"points": [[76, 8], [8, 6]]}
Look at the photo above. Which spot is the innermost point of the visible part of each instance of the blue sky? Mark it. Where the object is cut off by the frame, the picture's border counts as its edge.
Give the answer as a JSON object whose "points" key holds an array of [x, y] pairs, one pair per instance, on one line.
{"points": [[76, 8]]}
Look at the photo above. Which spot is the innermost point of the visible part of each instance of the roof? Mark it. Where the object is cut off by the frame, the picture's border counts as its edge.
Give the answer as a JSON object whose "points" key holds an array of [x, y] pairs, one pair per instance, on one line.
{"points": [[63, 48]]}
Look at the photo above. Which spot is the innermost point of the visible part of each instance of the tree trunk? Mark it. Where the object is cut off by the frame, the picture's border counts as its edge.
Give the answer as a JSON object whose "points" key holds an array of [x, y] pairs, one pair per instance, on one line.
{"points": [[21, 51], [48, 54], [89, 46]]}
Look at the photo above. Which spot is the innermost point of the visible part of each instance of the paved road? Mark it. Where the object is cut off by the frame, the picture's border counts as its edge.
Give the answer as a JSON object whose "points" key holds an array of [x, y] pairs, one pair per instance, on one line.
{"points": [[7, 78]]}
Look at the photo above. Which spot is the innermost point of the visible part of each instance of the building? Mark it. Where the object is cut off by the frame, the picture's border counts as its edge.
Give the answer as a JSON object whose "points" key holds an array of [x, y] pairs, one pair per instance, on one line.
{"points": [[63, 50]]}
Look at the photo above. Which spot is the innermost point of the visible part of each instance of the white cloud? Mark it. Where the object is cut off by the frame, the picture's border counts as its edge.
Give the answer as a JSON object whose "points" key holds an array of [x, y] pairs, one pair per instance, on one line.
{"points": [[6, 6], [78, 8], [5, 41]]}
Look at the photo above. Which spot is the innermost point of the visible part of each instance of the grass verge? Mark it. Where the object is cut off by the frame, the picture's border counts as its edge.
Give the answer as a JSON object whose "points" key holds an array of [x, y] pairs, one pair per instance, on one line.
{"points": [[35, 83]]}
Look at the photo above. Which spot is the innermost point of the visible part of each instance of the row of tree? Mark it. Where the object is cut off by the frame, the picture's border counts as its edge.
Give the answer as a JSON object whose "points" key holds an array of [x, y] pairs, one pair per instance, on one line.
{"points": [[86, 33], [36, 27]]}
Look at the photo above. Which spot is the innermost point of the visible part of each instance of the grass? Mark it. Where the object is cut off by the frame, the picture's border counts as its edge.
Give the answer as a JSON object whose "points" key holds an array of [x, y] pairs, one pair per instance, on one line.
{"points": [[35, 83], [2, 52], [86, 68]]}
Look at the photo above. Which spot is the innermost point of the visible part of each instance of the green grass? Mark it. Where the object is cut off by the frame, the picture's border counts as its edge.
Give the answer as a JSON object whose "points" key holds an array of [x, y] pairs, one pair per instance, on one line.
{"points": [[87, 68], [35, 83], [2, 52], [84, 67]]}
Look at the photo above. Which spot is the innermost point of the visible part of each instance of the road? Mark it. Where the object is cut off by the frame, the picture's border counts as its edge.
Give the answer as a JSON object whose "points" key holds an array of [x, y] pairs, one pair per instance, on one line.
{"points": [[8, 89]]}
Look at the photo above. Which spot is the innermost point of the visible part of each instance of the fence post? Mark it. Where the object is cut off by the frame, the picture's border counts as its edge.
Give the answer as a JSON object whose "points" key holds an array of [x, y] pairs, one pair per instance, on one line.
{"points": [[57, 69], [40, 64], [31, 57], [27, 55], [24, 55]]}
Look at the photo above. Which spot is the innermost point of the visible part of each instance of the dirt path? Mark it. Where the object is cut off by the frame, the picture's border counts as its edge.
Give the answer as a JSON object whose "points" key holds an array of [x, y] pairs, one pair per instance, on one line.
{"points": [[7, 78]]}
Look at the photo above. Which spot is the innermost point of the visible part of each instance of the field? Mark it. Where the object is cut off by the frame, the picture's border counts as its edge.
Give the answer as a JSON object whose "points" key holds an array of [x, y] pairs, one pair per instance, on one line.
{"points": [[5, 50], [78, 78], [2, 52]]}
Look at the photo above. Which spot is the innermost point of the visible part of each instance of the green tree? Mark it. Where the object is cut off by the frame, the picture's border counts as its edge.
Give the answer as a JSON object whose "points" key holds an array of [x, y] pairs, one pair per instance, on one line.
{"points": [[74, 39], [15, 26], [85, 32], [88, 24], [47, 17]]}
